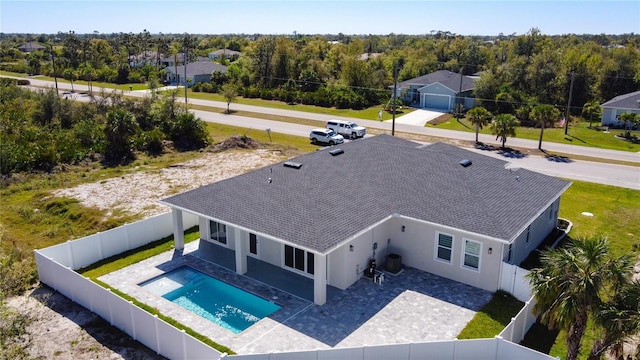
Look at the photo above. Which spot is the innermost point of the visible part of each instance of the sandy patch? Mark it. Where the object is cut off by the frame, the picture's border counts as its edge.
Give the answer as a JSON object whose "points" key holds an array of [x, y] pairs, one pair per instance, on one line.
{"points": [[139, 192]]}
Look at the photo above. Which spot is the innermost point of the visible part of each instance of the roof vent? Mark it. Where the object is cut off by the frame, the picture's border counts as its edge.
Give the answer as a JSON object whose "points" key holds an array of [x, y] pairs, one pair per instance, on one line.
{"points": [[465, 163], [336, 152], [292, 164]]}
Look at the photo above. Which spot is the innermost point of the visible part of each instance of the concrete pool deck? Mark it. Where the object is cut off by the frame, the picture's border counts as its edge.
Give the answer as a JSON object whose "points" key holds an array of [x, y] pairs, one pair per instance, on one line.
{"points": [[412, 306]]}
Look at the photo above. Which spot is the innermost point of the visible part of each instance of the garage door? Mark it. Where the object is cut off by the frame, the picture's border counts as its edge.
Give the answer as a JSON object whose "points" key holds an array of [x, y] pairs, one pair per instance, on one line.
{"points": [[436, 101]]}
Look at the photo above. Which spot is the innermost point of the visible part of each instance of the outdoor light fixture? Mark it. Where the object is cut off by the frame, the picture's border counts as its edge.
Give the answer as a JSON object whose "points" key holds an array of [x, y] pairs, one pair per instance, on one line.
{"points": [[490, 251], [402, 228], [350, 247]]}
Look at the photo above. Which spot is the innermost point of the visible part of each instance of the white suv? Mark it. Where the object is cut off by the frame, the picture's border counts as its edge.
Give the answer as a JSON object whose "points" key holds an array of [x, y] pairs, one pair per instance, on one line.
{"points": [[325, 136]]}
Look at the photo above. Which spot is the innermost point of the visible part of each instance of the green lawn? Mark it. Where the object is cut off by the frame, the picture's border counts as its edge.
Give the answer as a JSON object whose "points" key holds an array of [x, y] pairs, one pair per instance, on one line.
{"points": [[367, 114], [615, 212], [493, 317], [578, 134]]}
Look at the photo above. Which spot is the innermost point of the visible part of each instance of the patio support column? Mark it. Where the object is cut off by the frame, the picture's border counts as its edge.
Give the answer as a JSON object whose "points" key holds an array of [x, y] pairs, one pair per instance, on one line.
{"points": [[320, 279], [178, 229], [241, 251]]}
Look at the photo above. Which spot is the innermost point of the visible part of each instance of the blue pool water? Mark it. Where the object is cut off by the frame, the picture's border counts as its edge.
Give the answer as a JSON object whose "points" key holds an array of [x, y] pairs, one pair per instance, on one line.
{"points": [[223, 304]]}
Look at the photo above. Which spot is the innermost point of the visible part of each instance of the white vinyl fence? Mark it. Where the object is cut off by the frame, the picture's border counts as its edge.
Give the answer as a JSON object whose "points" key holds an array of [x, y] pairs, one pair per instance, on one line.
{"points": [[56, 265], [513, 280], [496, 348]]}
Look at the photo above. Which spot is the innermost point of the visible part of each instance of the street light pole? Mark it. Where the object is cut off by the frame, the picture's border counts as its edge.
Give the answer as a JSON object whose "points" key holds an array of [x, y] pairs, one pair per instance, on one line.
{"points": [[566, 116]]}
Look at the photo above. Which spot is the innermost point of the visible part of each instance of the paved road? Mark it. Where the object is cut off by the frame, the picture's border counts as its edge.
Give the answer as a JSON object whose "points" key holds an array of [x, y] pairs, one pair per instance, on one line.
{"points": [[611, 174]]}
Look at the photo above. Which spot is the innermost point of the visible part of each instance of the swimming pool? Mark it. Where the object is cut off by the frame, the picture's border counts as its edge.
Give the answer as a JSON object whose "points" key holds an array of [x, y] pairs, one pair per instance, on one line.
{"points": [[225, 305]]}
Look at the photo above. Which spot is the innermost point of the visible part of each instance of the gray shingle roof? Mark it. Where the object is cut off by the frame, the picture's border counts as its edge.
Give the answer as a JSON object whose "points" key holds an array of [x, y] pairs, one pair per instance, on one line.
{"points": [[197, 68], [226, 52], [445, 77], [31, 46], [331, 198], [625, 101]]}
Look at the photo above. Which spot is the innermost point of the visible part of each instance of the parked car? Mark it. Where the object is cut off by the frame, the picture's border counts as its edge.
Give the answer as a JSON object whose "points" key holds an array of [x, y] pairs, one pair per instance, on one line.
{"points": [[347, 128], [325, 136]]}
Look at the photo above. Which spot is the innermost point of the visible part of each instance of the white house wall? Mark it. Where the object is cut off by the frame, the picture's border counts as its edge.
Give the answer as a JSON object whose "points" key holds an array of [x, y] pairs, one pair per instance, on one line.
{"points": [[610, 115], [269, 251], [417, 246], [538, 231], [347, 266]]}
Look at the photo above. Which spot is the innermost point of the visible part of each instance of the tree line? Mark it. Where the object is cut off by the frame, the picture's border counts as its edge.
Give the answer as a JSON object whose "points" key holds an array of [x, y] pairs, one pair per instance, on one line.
{"points": [[516, 72], [39, 130]]}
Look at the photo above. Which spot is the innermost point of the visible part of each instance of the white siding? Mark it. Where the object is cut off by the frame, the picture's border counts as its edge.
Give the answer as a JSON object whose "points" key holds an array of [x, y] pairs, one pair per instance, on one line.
{"points": [[538, 231]]}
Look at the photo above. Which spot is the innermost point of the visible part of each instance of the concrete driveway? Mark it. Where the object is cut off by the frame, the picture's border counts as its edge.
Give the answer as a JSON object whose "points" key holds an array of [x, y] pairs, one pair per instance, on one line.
{"points": [[418, 117]]}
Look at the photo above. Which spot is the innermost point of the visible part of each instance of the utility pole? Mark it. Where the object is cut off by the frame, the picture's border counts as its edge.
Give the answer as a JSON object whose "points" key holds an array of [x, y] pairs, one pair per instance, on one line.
{"points": [[393, 106], [185, 62], [53, 64], [459, 107], [566, 116]]}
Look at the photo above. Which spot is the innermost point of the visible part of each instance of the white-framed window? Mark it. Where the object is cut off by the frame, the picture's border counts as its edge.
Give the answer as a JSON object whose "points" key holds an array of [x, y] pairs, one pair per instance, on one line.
{"points": [[299, 259], [218, 232], [551, 212], [472, 251], [444, 247]]}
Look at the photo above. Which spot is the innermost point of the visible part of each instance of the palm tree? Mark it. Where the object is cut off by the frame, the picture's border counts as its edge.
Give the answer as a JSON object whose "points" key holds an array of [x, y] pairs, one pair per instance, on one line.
{"points": [[570, 285], [545, 115], [630, 119], [503, 126], [591, 109], [479, 117], [619, 319]]}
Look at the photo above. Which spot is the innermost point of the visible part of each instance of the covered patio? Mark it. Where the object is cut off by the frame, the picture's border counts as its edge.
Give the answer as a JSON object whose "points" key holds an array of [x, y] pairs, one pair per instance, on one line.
{"points": [[263, 272]]}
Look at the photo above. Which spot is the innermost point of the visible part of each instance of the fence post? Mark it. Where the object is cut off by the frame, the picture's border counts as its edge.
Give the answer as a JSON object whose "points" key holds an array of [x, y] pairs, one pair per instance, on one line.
{"points": [[155, 324], [184, 344], [133, 322], [126, 236], [70, 253], [109, 297], [498, 339]]}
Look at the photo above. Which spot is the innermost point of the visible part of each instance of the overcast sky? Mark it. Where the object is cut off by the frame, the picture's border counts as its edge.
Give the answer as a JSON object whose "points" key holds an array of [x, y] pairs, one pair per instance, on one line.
{"points": [[321, 17]]}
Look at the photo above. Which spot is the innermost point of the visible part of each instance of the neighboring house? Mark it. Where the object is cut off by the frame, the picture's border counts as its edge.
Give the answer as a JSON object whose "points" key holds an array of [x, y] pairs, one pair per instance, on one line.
{"points": [[612, 109], [31, 46], [196, 72], [144, 58], [172, 60], [368, 56], [439, 90], [228, 54], [325, 215]]}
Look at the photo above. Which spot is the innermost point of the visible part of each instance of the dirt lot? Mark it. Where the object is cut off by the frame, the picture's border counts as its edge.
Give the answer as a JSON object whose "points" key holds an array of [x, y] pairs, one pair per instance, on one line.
{"points": [[65, 330]]}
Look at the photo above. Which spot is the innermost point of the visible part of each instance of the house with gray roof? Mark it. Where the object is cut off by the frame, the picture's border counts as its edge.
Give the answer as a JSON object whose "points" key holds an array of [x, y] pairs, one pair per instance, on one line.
{"points": [[440, 90], [31, 46], [228, 54], [326, 215], [612, 109], [196, 72]]}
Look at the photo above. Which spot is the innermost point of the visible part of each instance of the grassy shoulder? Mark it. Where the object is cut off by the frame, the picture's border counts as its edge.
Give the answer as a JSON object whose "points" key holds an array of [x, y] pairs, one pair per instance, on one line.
{"points": [[579, 134], [366, 114]]}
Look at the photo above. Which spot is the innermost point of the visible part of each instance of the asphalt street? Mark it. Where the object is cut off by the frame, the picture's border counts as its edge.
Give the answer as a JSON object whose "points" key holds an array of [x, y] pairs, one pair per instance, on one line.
{"points": [[604, 173]]}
